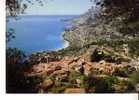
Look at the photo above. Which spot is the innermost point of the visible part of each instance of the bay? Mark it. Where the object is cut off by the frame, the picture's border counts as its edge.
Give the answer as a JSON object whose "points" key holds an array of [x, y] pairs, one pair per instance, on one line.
{"points": [[38, 33]]}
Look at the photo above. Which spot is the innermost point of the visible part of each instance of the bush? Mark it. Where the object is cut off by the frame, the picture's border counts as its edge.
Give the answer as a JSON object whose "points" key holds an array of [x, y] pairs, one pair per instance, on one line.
{"points": [[101, 85], [16, 82], [122, 72], [135, 77], [60, 85], [124, 86], [73, 76], [134, 46], [105, 85], [97, 55]]}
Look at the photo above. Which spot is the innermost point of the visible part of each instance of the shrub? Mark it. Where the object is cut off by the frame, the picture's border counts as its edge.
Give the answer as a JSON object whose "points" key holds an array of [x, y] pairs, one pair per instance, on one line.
{"points": [[97, 55], [16, 82], [123, 72], [134, 46], [105, 85], [101, 85], [135, 77], [124, 86]]}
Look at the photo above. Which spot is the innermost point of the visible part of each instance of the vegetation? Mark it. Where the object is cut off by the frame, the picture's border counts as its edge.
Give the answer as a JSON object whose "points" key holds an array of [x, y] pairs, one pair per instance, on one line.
{"points": [[91, 84], [16, 65], [16, 7], [134, 77], [14, 59], [111, 36]]}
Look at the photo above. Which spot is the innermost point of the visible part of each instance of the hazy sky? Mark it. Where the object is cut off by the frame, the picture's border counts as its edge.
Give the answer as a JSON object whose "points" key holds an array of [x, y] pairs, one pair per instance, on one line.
{"points": [[60, 7]]}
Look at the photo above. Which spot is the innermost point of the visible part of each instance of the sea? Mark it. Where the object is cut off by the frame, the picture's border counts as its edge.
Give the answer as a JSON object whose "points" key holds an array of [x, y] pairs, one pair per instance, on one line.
{"points": [[37, 33]]}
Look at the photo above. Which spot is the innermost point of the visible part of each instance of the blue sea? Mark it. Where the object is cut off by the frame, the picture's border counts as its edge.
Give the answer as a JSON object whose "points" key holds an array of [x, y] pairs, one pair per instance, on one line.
{"points": [[38, 33]]}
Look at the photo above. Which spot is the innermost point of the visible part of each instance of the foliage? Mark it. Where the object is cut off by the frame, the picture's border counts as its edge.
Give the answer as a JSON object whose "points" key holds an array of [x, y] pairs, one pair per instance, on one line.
{"points": [[16, 7], [129, 85], [135, 77], [134, 46], [69, 82], [101, 54], [14, 56], [118, 7], [101, 85], [74, 76], [121, 16], [124, 86], [97, 55], [122, 72], [10, 34], [16, 82]]}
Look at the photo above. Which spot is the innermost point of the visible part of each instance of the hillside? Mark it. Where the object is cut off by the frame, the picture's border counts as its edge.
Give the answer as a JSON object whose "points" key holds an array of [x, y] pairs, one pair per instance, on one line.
{"points": [[102, 57]]}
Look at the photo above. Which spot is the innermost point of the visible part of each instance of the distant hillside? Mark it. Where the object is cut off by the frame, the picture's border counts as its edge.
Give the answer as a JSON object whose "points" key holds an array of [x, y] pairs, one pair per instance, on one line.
{"points": [[100, 26]]}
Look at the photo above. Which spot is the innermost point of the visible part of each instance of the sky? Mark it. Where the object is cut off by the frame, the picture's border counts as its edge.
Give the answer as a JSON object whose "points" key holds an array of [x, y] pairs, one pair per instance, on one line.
{"points": [[60, 7]]}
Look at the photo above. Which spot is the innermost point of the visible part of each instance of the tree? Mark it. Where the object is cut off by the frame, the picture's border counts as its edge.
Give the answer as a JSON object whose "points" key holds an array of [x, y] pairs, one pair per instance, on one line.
{"points": [[118, 7], [15, 7]]}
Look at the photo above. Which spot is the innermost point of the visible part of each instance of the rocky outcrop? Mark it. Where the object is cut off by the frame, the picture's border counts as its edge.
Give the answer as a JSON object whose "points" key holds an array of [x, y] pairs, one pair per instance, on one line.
{"points": [[46, 84], [135, 63], [75, 90], [44, 57], [81, 64], [71, 71]]}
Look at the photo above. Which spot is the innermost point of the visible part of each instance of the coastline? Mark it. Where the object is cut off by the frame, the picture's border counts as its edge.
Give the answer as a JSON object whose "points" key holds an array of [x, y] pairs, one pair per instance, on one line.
{"points": [[65, 45], [24, 43]]}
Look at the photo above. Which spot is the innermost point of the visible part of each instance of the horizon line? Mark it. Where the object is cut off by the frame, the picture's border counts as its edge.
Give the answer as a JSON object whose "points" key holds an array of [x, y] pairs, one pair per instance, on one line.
{"points": [[48, 14]]}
